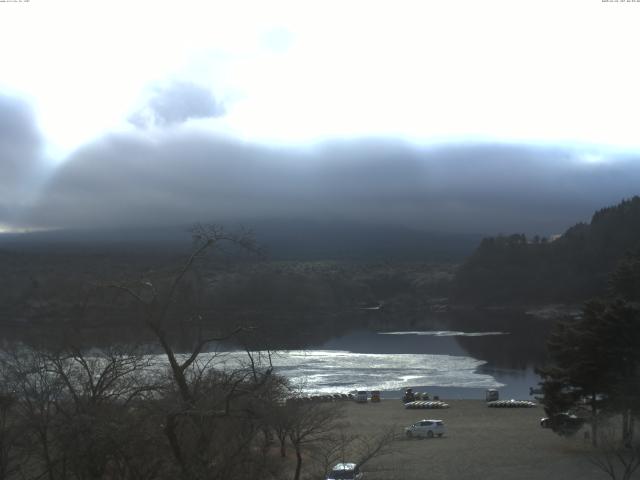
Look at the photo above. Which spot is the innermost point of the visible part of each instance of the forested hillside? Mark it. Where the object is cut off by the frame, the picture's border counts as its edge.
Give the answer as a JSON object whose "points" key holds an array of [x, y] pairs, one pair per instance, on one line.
{"points": [[297, 240], [573, 267]]}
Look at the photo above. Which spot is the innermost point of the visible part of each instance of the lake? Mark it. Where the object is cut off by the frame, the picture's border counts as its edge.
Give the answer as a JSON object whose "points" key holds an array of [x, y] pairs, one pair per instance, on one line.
{"points": [[431, 361], [457, 355], [459, 361]]}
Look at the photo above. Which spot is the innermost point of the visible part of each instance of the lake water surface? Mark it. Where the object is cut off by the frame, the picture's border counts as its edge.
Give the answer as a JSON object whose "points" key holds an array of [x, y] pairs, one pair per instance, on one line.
{"points": [[455, 356], [451, 363], [434, 361]]}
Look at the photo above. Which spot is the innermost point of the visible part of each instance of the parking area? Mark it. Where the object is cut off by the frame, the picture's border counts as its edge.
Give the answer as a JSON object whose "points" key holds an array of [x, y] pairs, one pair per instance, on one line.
{"points": [[480, 442]]}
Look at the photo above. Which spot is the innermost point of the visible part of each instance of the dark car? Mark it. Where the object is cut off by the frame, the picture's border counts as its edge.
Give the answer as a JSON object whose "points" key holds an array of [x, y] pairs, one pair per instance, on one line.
{"points": [[408, 396], [563, 423]]}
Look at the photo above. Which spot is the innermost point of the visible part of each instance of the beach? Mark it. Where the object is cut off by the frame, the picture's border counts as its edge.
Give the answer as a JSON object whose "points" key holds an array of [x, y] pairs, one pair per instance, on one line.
{"points": [[480, 442]]}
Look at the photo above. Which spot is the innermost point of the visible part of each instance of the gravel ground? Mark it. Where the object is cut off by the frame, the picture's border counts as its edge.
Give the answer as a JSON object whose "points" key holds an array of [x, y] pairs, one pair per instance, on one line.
{"points": [[480, 442]]}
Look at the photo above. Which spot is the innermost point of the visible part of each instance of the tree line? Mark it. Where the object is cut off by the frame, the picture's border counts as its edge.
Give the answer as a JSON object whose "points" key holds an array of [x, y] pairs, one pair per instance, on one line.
{"points": [[573, 267]]}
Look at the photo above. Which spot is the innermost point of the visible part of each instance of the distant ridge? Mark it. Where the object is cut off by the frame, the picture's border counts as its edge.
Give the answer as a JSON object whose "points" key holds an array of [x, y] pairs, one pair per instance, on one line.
{"points": [[282, 239], [574, 267]]}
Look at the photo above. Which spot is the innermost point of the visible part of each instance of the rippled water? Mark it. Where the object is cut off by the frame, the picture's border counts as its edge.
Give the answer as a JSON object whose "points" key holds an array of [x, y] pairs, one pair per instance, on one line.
{"points": [[432, 360], [330, 371], [340, 371], [334, 371]]}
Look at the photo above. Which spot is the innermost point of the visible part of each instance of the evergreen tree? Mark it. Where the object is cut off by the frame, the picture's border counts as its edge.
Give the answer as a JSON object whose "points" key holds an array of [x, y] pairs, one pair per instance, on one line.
{"points": [[596, 359], [625, 280]]}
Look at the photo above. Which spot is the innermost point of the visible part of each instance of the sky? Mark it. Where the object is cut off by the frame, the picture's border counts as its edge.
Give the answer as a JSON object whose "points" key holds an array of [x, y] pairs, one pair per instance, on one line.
{"points": [[486, 117]]}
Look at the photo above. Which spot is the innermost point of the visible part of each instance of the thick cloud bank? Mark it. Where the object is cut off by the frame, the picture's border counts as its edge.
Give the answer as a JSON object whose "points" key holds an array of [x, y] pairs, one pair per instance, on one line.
{"points": [[184, 176], [20, 162]]}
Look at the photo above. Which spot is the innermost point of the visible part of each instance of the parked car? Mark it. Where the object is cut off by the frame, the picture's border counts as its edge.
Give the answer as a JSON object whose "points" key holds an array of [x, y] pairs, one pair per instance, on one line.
{"points": [[563, 423], [408, 396], [426, 428], [346, 471]]}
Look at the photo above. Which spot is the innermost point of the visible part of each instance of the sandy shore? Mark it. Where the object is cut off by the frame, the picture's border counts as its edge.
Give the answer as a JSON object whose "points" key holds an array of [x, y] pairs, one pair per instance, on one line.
{"points": [[480, 442]]}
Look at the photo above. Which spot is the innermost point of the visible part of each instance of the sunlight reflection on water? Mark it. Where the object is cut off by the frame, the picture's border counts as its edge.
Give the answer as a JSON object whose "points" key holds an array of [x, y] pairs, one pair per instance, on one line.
{"points": [[335, 371]]}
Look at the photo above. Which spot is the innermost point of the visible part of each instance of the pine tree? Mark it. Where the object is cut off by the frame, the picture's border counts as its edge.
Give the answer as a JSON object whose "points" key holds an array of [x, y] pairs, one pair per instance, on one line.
{"points": [[595, 360]]}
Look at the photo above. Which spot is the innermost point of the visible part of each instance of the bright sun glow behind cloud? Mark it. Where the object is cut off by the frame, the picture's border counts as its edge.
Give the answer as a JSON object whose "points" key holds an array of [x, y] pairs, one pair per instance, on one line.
{"points": [[532, 71]]}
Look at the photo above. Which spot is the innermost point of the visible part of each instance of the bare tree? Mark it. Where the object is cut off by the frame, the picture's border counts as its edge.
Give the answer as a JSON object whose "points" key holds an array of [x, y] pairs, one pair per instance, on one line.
{"points": [[345, 446], [213, 416], [95, 410], [311, 424], [26, 375], [13, 454], [618, 458], [158, 295], [76, 411], [115, 374]]}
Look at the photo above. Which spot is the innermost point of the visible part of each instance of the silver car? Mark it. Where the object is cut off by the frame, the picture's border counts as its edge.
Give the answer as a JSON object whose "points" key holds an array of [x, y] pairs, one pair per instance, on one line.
{"points": [[425, 428]]}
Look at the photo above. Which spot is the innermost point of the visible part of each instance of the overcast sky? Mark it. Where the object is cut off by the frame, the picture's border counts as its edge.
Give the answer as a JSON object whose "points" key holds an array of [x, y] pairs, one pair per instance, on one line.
{"points": [[481, 116]]}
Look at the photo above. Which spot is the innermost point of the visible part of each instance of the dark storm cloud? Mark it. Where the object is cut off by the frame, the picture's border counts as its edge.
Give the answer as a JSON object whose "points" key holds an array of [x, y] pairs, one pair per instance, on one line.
{"points": [[186, 176], [20, 146], [19, 138], [177, 103]]}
